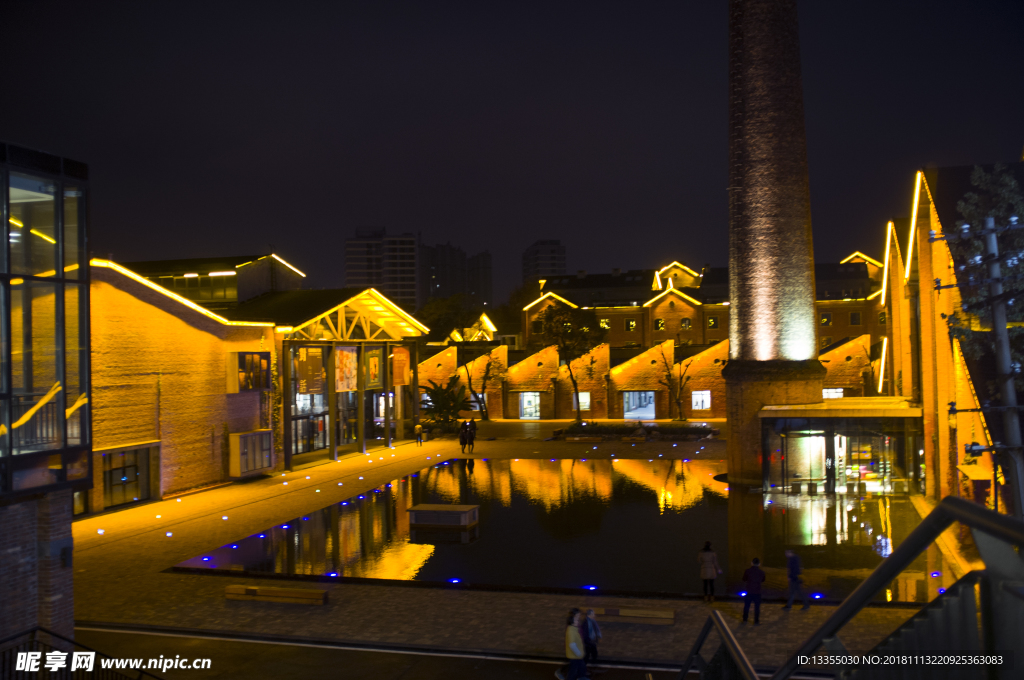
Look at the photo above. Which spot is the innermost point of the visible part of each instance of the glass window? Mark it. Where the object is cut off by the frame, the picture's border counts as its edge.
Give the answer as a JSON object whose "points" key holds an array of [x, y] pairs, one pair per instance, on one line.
{"points": [[685, 324], [630, 324], [36, 412], [826, 340], [832, 393], [825, 318], [253, 371], [712, 322], [605, 323], [33, 228], [125, 477], [535, 327], [584, 402], [700, 400], [76, 405], [73, 211], [881, 318], [659, 324], [854, 318]]}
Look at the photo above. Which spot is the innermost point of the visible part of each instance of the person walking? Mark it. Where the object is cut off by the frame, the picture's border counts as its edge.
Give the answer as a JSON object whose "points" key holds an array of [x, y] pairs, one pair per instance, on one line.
{"points": [[471, 434], [593, 634], [709, 569], [463, 435], [576, 669], [418, 430], [753, 577], [795, 580]]}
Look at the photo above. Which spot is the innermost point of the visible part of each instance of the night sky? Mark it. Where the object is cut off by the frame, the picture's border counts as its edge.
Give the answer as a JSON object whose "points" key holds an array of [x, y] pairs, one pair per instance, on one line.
{"points": [[236, 128]]}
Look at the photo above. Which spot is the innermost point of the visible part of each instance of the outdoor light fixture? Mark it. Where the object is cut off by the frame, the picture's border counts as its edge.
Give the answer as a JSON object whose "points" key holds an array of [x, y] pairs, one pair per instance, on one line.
{"points": [[318, 490], [234, 547], [224, 517], [206, 559], [263, 535], [589, 587], [340, 484], [817, 596], [743, 593], [284, 526], [169, 534], [99, 531], [941, 591], [179, 500], [454, 580], [286, 483], [158, 516], [360, 478], [333, 573], [307, 476], [936, 574]]}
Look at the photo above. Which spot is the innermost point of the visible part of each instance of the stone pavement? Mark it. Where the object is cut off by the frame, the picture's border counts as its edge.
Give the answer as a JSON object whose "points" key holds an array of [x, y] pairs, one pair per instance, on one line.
{"points": [[120, 577]]}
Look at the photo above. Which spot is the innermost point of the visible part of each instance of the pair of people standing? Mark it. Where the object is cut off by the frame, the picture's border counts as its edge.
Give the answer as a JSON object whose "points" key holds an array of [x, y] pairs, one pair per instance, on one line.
{"points": [[581, 636], [467, 434]]}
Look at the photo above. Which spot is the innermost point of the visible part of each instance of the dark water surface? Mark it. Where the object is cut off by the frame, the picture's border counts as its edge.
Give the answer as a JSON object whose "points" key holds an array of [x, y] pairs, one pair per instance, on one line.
{"points": [[631, 525]]}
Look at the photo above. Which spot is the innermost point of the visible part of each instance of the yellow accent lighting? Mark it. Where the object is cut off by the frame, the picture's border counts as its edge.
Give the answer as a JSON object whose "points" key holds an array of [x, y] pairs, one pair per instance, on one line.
{"points": [[913, 224], [223, 273], [79, 403], [890, 234], [549, 294], [287, 265], [174, 296], [873, 295], [41, 235], [283, 329], [191, 276], [17, 282], [486, 322], [541, 282], [682, 266], [668, 290], [881, 369], [16, 222], [861, 255]]}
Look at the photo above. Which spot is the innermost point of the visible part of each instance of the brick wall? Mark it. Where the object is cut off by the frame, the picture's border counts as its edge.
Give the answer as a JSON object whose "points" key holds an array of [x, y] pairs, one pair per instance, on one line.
{"points": [[35, 586], [849, 366], [535, 373], [705, 373], [159, 373], [590, 371], [498, 360], [642, 373], [672, 309]]}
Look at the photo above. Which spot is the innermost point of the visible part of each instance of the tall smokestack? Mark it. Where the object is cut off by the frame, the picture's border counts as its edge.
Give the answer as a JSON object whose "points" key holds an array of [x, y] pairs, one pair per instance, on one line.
{"points": [[771, 259], [773, 345]]}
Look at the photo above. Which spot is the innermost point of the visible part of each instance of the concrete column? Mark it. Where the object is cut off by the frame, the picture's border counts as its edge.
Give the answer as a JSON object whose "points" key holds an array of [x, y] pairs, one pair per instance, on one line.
{"points": [[361, 400], [286, 403]]}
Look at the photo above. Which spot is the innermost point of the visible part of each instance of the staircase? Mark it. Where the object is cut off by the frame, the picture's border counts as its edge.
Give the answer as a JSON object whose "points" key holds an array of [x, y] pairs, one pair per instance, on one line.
{"points": [[973, 631]]}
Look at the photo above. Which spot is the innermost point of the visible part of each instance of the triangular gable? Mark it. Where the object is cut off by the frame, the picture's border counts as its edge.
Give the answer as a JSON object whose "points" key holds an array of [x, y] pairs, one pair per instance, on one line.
{"points": [[551, 295], [669, 291]]}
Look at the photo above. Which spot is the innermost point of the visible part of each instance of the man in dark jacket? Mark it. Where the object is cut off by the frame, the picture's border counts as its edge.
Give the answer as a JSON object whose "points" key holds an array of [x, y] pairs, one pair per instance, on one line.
{"points": [[753, 577]]}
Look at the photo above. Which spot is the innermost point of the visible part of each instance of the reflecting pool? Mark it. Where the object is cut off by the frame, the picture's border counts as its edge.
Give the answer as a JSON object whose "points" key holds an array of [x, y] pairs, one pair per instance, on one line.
{"points": [[619, 525]]}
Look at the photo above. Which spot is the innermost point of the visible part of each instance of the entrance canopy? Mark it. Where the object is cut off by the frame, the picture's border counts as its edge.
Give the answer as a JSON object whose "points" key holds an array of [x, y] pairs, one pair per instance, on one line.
{"points": [[847, 407]]}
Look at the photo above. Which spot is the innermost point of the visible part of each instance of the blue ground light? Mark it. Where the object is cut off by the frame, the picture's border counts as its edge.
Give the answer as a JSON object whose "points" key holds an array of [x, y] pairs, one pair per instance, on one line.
{"points": [[454, 580], [589, 587]]}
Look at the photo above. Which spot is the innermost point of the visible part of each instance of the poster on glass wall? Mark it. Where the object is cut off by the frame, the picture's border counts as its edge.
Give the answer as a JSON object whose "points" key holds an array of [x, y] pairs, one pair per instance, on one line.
{"points": [[346, 366], [309, 370], [400, 366], [373, 369]]}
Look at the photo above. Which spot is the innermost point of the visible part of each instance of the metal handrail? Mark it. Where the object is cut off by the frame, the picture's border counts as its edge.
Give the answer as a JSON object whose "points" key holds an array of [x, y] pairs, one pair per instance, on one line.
{"points": [[949, 510], [732, 645], [31, 633]]}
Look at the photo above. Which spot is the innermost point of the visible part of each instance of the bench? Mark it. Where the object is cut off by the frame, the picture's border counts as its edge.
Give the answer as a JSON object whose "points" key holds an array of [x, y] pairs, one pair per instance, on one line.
{"points": [[654, 616], [634, 439], [265, 594]]}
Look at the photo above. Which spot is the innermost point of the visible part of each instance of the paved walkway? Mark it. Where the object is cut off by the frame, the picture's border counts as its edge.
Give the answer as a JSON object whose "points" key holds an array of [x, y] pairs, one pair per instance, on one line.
{"points": [[120, 575]]}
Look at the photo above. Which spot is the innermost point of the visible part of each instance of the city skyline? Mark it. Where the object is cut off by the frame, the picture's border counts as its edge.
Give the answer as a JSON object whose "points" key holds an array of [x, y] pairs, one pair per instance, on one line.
{"points": [[490, 128]]}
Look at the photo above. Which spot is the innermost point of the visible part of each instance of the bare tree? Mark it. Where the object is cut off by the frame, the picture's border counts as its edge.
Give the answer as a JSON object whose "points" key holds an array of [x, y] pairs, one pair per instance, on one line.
{"points": [[480, 397], [674, 379]]}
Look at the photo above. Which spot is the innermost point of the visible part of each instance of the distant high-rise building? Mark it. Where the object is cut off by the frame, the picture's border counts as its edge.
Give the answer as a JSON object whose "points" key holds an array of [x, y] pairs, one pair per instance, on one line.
{"points": [[445, 271], [478, 279], [543, 259], [388, 263]]}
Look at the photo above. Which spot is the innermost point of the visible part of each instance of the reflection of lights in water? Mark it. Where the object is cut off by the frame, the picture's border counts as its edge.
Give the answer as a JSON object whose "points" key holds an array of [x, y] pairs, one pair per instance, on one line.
{"points": [[883, 546]]}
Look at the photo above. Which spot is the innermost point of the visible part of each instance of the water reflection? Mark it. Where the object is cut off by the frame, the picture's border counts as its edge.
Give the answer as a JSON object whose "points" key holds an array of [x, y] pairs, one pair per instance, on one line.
{"points": [[622, 524]]}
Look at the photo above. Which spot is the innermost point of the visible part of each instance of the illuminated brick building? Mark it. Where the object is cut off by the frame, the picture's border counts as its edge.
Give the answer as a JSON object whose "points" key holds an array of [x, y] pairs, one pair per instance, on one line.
{"points": [[195, 388]]}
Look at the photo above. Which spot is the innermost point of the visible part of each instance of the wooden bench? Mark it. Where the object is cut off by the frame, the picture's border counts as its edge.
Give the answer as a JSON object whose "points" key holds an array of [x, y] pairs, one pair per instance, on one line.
{"points": [[265, 594], [654, 616]]}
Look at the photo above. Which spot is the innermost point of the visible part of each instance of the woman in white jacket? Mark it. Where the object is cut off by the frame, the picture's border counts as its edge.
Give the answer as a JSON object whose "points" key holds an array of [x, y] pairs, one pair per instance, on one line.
{"points": [[709, 569]]}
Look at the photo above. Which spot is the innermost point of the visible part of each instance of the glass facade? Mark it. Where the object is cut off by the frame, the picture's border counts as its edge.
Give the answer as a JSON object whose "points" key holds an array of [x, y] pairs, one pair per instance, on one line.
{"points": [[44, 329]]}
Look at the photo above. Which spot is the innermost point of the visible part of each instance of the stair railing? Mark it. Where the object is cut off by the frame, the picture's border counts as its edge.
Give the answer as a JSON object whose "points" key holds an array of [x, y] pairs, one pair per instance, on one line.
{"points": [[729, 642], [994, 535]]}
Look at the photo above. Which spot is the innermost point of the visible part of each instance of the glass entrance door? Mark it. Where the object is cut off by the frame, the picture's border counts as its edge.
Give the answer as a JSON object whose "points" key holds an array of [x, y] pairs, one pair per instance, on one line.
{"points": [[529, 405]]}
